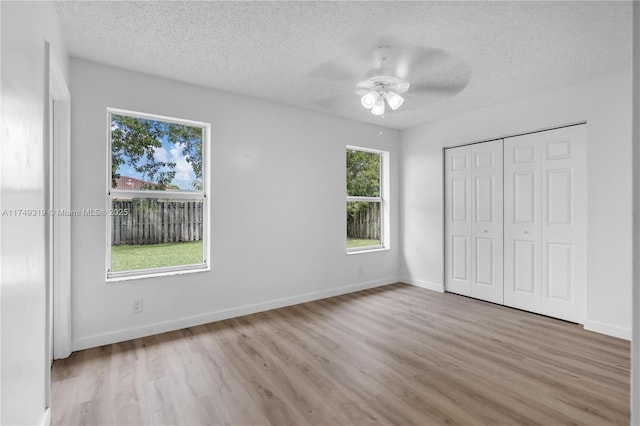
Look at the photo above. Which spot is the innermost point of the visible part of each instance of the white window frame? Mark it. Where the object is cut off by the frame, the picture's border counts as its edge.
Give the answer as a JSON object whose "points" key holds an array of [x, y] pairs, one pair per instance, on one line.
{"points": [[202, 195], [383, 199]]}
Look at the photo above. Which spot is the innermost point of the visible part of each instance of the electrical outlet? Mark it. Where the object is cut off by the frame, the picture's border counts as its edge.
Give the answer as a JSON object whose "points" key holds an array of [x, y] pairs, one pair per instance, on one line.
{"points": [[137, 306]]}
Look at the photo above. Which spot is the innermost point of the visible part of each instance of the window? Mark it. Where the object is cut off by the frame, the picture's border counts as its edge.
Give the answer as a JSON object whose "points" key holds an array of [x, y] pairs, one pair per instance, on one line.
{"points": [[367, 210], [157, 206]]}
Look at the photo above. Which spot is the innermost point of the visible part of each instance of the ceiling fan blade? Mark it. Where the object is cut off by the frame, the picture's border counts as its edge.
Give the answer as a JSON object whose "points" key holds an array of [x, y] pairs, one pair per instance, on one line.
{"points": [[446, 78], [423, 58], [333, 71], [409, 61], [440, 88]]}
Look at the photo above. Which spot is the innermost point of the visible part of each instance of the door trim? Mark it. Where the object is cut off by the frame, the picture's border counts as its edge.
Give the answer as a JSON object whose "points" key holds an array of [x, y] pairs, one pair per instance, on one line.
{"points": [[61, 186], [511, 135]]}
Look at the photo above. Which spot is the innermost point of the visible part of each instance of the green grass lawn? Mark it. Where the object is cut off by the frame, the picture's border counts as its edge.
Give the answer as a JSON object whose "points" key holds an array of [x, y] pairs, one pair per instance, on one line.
{"points": [[132, 257], [357, 242]]}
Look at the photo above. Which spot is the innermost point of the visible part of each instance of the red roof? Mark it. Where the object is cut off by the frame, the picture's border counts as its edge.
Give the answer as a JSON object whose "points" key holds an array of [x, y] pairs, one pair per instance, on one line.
{"points": [[125, 182]]}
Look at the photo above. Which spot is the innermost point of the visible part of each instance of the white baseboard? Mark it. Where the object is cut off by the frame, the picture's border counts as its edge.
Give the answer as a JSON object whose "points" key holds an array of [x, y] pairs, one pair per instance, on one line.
{"points": [[424, 284], [46, 417], [180, 323], [608, 329]]}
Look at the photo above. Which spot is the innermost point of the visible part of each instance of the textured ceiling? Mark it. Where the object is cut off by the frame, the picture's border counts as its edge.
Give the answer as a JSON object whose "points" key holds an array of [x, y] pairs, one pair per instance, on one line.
{"points": [[279, 50]]}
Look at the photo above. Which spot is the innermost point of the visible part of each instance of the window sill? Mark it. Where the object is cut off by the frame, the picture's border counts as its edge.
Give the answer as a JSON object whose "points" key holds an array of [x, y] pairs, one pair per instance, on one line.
{"points": [[367, 250], [158, 273]]}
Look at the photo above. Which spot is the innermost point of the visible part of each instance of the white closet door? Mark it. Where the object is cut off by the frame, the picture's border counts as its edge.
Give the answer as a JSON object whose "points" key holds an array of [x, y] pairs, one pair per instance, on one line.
{"points": [[486, 221], [458, 220], [545, 222], [522, 231], [564, 206], [473, 230]]}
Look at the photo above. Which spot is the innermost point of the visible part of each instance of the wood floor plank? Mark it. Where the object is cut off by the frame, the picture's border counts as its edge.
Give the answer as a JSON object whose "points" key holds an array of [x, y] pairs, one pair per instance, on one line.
{"points": [[390, 355]]}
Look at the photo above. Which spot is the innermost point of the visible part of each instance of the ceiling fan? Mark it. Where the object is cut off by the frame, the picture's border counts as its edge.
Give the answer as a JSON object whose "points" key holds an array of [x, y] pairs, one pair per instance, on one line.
{"points": [[393, 72]]}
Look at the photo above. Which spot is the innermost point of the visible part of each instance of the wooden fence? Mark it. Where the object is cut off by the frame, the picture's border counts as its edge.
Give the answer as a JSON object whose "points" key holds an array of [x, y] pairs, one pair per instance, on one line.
{"points": [[365, 223], [154, 222]]}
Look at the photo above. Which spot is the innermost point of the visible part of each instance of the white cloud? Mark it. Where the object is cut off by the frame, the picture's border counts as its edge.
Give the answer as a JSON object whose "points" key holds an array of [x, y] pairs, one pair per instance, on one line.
{"points": [[160, 154], [184, 171]]}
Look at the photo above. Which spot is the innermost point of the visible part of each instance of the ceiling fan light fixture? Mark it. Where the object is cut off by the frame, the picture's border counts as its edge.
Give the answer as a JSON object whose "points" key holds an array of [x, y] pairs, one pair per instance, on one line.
{"points": [[378, 107], [380, 88], [394, 100], [369, 99]]}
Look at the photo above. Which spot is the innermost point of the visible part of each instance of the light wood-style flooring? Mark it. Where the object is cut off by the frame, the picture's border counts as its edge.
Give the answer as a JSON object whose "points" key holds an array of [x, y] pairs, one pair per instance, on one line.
{"points": [[392, 355]]}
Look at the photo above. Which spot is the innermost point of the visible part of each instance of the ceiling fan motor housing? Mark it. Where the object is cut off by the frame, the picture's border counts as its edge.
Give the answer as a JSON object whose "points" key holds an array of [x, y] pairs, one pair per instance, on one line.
{"points": [[383, 84]]}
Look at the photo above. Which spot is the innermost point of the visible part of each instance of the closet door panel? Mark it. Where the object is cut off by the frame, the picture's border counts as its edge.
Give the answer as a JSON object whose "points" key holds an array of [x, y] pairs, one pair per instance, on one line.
{"points": [[564, 223], [458, 243], [459, 200], [524, 264], [522, 230], [487, 218], [460, 258], [545, 222], [485, 262], [524, 200]]}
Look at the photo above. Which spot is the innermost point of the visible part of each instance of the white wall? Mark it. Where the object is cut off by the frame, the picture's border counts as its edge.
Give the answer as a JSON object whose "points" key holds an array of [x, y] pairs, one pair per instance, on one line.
{"points": [[26, 26], [605, 104], [278, 208]]}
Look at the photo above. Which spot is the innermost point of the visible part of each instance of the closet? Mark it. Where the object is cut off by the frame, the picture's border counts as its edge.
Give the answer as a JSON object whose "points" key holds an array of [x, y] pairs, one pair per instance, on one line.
{"points": [[515, 221]]}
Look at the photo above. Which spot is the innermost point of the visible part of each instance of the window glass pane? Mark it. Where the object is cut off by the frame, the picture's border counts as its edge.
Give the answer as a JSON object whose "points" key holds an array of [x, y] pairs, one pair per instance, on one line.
{"points": [[155, 233], [149, 154], [363, 173], [363, 224]]}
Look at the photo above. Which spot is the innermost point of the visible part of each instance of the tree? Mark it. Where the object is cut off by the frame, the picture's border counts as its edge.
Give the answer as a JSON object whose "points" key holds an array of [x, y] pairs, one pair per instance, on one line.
{"points": [[363, 173], [134, 142]]}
